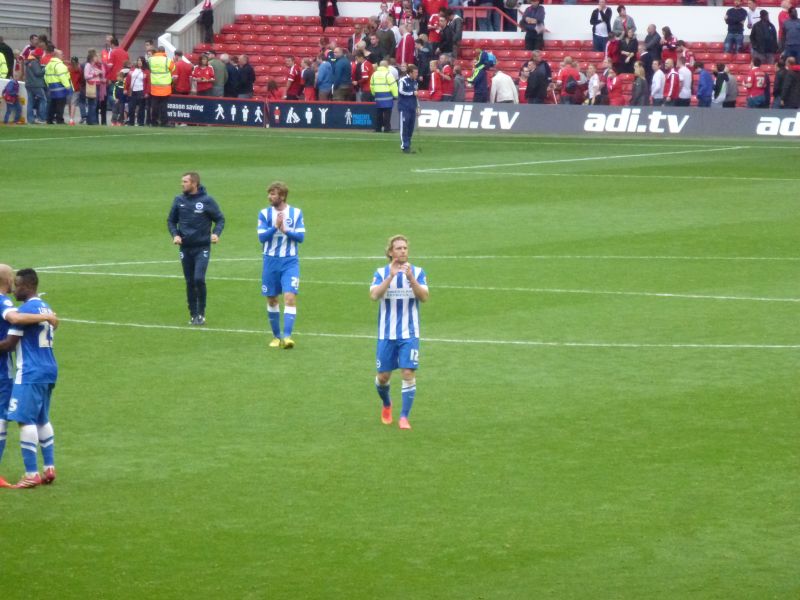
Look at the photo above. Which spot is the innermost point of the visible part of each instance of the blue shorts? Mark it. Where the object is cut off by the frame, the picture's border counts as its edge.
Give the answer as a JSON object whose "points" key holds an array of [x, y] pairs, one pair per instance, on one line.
{"points": [[30, 403], [280, 275], [6, 385], [397, 354]]}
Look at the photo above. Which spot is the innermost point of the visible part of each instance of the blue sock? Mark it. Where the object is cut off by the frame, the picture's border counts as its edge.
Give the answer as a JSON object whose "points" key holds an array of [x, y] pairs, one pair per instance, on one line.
{"points": [[289, 315], [3, 428], [274, 314], [409, 391], [383, 392], [47, 444], [28, 439]]}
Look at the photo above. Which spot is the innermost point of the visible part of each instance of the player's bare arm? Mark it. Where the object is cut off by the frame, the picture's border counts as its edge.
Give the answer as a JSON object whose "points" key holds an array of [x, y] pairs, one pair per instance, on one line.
{"points": [[9, 344], [17, 318]]}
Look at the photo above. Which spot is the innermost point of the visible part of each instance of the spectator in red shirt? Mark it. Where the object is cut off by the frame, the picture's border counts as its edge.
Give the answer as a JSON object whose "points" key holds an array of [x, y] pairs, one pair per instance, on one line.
{"points": [[183, 74], [614, 89], [203, 76], [76, 74], [672, 85], [47, 50], [27, 50], [613, 52], [435, 86], [363, 71], [294, 83], [446, 70], [757, 84], [273, 91], [396, 10], [669, 45], [117, 58], [404, 53], [522, 84], [567, 81], [430, 8], [435, 26], [688, 56]]}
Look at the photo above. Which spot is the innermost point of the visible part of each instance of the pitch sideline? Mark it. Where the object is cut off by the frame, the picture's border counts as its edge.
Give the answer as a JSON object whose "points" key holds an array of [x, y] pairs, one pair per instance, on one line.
{"points": [[529, 343]]}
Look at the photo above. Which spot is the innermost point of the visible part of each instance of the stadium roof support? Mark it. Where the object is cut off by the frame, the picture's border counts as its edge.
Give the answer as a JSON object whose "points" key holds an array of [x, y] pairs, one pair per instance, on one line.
{"points": [[147, 9], [61, 31]]}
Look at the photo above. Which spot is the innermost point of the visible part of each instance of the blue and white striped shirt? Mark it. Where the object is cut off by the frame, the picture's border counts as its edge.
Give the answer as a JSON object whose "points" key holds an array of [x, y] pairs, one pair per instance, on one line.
{"points": [[276, 243], [398, 316]]}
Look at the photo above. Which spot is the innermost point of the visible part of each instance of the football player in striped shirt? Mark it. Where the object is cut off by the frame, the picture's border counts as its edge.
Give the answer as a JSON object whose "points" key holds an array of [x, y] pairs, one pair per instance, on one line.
{"points": [[280, 230], [398, 287]]}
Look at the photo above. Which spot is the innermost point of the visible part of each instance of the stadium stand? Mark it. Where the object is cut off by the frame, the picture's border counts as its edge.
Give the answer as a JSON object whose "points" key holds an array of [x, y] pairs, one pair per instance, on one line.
{"points": [[269, 39]]}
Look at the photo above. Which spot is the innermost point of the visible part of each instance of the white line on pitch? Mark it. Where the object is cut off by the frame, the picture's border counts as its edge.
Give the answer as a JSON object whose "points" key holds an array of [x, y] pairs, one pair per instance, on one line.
{"points": [[573, 160], [79, 137], [52, 268], [461, 287], [625, 176], [447, 340]]}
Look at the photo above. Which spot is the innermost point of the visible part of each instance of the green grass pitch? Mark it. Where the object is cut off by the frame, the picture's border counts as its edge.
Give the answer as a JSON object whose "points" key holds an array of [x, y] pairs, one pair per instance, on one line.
{"points": [[607, 402]]}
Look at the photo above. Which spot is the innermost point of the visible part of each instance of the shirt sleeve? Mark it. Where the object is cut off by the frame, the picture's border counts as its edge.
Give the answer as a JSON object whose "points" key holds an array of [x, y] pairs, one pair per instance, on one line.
{"points": [[422, 278], [6, 308], [377, 279], [299, 224]]}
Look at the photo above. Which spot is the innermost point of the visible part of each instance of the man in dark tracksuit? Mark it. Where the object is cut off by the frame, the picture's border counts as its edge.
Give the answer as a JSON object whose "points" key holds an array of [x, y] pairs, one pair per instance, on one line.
{"points": [[407, 106], [189, 222]]}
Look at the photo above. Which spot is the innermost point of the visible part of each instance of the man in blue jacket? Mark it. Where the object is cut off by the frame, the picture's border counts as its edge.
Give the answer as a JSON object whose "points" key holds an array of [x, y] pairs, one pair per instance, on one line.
{"points": [[705, 85], [189, 223], [342, 76], [324, 78]]}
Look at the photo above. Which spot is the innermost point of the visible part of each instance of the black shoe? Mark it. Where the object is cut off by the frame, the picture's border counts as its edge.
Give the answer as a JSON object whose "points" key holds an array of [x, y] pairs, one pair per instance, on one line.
{"points": [[200, 320], [193, 321], [409, 151]]}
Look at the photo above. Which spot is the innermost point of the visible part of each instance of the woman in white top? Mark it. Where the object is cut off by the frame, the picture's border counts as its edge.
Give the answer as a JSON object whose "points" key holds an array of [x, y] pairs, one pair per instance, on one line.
{"points": [[593, 88], [136, 84]]}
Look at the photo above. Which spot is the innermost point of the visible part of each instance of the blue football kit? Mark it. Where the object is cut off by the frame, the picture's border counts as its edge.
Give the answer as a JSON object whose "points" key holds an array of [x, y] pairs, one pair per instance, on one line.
{"points": [[6, 364], [37, 370]]}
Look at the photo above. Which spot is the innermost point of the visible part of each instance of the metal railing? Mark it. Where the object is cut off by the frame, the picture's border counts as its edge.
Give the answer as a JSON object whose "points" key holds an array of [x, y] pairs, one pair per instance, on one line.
{"points": [[186, 33], [474, 14]]}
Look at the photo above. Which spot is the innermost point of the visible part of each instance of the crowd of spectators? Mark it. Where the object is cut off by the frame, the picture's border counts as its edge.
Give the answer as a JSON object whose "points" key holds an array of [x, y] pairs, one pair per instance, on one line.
{"points": [[109, 87], [653, 68]]}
